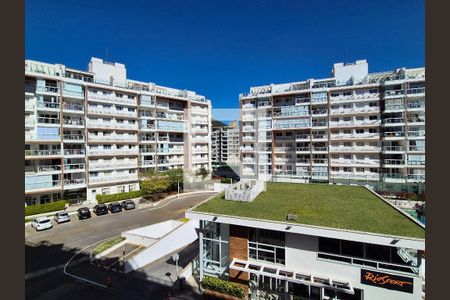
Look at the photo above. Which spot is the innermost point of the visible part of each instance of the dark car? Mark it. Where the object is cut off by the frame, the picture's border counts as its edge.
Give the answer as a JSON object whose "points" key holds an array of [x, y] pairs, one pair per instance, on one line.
{"points": [[115, 207], [84, 213], [100, 209], [128, 204]]}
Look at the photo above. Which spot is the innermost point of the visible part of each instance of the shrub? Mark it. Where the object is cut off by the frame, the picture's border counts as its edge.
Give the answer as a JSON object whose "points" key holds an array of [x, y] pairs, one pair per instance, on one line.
{"points": [[223, 286], [44, 208], [118, 197], [225, 180]]}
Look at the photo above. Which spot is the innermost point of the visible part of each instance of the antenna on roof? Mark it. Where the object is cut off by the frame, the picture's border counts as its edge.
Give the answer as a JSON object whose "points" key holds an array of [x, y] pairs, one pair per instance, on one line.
{"points": [[345, 56], [107, 58]]}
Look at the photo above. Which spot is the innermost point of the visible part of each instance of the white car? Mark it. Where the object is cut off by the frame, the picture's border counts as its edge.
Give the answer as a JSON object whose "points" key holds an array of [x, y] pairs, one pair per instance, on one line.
{"points": [[41, 223], [62, 217]]}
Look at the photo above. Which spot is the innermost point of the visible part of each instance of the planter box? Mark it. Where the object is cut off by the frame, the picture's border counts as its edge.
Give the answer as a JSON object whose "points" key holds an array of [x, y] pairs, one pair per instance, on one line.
{"points": [[217, 295]]}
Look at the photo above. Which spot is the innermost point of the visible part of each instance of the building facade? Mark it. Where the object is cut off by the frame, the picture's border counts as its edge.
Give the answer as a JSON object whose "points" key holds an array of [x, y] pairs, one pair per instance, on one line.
{"points": [[276, 258], [354, 127], [89, 133], [225, 144]]}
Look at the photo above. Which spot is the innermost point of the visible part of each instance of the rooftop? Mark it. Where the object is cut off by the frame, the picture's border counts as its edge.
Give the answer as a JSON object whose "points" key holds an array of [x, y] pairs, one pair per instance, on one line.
{"points": [[334, 206]]}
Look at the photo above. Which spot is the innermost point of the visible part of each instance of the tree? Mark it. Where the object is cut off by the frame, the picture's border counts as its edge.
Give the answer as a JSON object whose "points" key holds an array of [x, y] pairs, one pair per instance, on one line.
{"points": [[202, 172], [154, 186], [175, 176]]}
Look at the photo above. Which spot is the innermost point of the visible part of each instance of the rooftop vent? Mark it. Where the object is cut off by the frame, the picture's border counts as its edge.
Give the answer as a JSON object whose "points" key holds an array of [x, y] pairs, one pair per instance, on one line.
{"points": [[291, 217]]}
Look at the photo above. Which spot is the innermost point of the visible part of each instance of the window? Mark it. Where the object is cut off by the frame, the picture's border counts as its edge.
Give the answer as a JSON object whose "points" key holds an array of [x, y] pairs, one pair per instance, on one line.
{"points": [[359, 131], [360, 144], [121, 188], [347, 119], [372, 130], [360, 170], [360, 118], [347, 93], [373, 104], [350, 248], [347, 131], [373, 170], [347, 156], [373, 117], [267, 245], [373, 91]]}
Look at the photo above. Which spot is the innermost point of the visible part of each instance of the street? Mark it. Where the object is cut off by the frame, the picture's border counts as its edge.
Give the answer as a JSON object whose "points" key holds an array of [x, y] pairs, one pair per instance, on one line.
{"points": [[46, 252]]}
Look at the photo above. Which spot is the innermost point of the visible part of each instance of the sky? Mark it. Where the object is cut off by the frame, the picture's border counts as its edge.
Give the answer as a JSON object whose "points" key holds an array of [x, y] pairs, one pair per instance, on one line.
{"points": [[221, 48]]}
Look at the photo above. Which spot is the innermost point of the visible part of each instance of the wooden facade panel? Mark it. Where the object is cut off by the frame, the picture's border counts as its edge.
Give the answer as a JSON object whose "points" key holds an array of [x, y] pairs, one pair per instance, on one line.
{"points": [[239, 249]]}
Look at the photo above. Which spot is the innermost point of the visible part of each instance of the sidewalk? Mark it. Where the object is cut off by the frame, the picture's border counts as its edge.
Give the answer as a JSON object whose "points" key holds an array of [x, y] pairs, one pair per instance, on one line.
{"points": [[72, 209]]}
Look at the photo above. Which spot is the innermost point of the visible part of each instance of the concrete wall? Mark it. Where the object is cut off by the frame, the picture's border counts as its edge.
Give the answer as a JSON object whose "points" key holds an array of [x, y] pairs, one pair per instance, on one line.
{"points": [[174, 240], [301, 255]]}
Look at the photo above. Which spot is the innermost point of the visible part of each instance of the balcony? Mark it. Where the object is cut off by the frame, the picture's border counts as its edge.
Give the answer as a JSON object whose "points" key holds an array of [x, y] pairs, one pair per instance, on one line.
{"points": [[319, 149], [29, 106], [111, 125], [111, 99], [147, 127], [416, 163], [75, 123], [389, 108], [355, 123], [320, 137], [48, 106], [29, 122], [416, 149], [284, 160], [71, 137], [74, 167], [301, 161], [73, 108], [302, 149], [48, 121], [74, 183], [248, 117], [42, 169], [47, 90], [147, 139], [388, 149], [199, 130], [73, 94], [199, 120], [355, 136], [247, 149], [354, 176], [162, 105], [416, 134], [248, 128], [420, 91], [44, 153], [302, 137], [394, 177], [200, 140], [200, 160], [393, 162], [200, 150], [319, 124], [113, 138], [320, 161], [397, 93], [286, 173], [146, 163], [355, 149], [199, 111], [111, 112], [97, 179], [357, 162], [74, 152], [416, 121], [416, 177], [248, 160], [248, 106], [128, 164], [416, 105], [113, 151], [42, 186], [393, 122], [248, 138], [393, 135], [356, 110]]}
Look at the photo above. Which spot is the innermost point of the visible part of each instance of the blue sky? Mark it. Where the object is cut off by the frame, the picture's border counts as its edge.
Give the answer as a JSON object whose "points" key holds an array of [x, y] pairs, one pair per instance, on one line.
{"points": [[221, 48]]}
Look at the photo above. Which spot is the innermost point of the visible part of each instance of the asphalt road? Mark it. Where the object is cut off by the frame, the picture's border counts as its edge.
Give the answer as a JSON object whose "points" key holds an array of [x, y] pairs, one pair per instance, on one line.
{"points": [[46, 252]]}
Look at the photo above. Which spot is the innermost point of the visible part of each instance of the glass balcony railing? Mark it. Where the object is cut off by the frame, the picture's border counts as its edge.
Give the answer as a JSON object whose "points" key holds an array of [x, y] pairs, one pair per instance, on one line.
{"points": [[74, 152], [44, 104], [55, 152]]}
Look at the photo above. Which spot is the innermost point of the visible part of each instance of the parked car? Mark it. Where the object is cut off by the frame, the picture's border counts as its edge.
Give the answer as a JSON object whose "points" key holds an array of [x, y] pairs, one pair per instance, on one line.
{"points": [[115, 207], [101, 209], [61, 217], [41, 223], [128, 204], [84, 213]]}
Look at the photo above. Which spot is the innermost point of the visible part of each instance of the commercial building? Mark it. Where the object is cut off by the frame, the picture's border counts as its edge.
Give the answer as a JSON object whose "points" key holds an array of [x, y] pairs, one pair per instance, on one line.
{"points": [[89, 133], [353, 127], [312, 241], [225, 144]]}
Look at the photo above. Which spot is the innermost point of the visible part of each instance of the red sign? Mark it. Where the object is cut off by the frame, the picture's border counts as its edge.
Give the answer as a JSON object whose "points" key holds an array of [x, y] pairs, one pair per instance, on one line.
{"points": [[387, 281]]}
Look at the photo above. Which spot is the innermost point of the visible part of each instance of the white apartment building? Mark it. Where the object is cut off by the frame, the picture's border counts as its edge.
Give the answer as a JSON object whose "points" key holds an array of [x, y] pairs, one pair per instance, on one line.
{"points": [[89, 133], [353, 127], [225, 144]]}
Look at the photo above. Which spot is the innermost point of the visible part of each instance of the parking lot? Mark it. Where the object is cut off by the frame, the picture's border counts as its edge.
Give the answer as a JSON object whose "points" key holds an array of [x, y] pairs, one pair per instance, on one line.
{"points": [[47, 251]]}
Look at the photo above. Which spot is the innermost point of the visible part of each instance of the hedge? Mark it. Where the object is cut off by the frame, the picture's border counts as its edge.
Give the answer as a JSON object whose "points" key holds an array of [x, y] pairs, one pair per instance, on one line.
{"points": [[225, 180], [118, 197], [44, 208], [223, 286]]}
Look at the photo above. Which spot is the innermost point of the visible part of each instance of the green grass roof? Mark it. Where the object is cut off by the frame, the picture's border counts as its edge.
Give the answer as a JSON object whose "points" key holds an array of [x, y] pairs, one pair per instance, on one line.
{"points": [[343, 207]]}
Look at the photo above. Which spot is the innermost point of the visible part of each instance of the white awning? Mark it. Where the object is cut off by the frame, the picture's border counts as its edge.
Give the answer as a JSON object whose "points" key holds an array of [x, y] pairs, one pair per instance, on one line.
{"points": [[272, 271]]}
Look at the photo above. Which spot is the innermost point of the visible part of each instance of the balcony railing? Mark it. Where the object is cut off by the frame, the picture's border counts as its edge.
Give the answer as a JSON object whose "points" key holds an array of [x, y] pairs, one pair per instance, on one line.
{"points": [[354, 149], [393, 121], [320, 161], [302, 149], [74, 167], [319, 149], [74, 152], [392, 148], [248, 128], [394, 93], [393, 162], [69, 94], [412, 91], [416, 176], [397, 134], [111, 98], [248, 106], [114, 138], [112, 178], [44, 120], [302, 161], [43, 104], [416, 134], [52, 184], [43, 152], [416, 163], [371, 162], [417, 148], [113, 151], [42, 168], [416, 120], [112, 112], [413, 105], [73, 122], [47, 89], [73, 106], [113, 125], [394, 107], [74, 137], [76, 181]]}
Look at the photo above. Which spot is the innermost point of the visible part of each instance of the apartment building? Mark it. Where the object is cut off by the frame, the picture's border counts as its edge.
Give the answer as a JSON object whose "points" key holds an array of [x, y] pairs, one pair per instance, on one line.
{"points": [[353, 127], [225, 144], [307, 247], [92, 132]]}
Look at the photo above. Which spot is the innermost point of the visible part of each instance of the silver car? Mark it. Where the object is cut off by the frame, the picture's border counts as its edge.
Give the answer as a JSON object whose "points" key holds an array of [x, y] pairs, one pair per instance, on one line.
{"points": [[62, 217]]}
